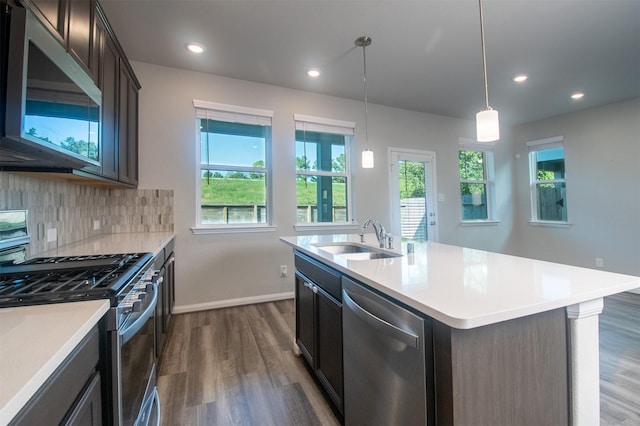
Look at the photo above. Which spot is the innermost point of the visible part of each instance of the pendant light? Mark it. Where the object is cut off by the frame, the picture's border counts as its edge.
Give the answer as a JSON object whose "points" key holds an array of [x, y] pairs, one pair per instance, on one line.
{"points": [[487, 124], [367, 154]]}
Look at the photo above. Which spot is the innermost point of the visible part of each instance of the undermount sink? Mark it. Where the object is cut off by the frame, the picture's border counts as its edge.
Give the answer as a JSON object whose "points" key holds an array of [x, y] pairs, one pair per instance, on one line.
{"points": [[353, 251], [368, 255]]}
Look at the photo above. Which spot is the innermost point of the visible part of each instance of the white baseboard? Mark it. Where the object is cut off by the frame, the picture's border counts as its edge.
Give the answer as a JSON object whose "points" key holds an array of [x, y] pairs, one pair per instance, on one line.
{"points": [[233, 302]]}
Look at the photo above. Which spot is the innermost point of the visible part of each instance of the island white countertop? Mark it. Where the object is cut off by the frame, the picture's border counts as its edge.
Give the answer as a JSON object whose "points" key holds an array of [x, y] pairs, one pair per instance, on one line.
{"points": [[34, 341], [127, 242], [467, 288]]}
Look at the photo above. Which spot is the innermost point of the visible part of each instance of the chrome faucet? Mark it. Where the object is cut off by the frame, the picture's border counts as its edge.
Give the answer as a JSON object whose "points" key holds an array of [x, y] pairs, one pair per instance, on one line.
{"points": [[381, 234]]}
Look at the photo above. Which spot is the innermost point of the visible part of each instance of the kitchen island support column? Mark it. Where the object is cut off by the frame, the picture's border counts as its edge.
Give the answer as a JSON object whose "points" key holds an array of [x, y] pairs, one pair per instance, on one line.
{"points": [[585, 362]]}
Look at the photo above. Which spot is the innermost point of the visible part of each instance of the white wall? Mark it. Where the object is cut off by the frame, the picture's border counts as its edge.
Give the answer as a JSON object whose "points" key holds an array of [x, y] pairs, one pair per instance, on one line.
{"points": [[602, 160], [212, 269]]}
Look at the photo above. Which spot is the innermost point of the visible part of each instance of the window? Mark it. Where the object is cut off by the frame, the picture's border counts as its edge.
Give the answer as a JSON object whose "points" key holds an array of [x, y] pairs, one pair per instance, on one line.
{"points": [[547, 177], [475, 163], [234, 171], [323, 170]]}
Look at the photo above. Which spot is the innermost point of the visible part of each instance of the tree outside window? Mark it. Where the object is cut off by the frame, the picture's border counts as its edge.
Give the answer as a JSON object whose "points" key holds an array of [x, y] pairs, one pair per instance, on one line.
{"points": [[233, 178], [474, 184], [322, 173], [548, 184]]}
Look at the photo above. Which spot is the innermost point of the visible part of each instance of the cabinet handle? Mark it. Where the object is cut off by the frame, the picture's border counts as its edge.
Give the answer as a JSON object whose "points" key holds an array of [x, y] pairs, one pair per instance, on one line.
{"points": [[314, 289]]}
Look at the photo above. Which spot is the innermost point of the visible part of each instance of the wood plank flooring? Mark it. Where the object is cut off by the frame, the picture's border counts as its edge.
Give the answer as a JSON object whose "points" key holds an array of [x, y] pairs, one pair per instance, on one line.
{"points": [[620, 360], [234, 366]]}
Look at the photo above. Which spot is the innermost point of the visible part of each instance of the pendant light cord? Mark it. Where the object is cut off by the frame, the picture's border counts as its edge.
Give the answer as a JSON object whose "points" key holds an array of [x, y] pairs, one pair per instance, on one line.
{"points": [[366, 126], [484, 60]]}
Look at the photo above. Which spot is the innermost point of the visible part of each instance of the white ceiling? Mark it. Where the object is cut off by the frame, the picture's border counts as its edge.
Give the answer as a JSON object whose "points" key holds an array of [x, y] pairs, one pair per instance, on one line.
{"points": [[425, 55]]}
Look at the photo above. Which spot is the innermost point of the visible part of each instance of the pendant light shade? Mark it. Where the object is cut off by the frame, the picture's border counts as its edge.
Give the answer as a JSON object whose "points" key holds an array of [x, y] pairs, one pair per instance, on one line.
{"points": [[367, 154], [487, 123], [367, 159]]}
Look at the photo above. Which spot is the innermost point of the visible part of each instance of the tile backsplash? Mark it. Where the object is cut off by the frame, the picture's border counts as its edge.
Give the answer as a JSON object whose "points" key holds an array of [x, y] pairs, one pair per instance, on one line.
{"points": [[75, 210]]}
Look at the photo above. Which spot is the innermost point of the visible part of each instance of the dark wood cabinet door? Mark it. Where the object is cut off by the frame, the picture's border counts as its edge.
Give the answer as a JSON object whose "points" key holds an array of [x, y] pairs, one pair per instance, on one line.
{"points": [[109, 86], [80, 29], [51, 13], [329, 346], [132, 134], [305, 319], [88, 412], [127, 127]]}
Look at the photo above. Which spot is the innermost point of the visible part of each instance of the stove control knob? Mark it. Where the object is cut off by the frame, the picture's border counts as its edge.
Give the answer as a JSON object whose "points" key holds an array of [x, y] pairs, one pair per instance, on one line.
{"points": [[149, 288], [141, 296], [137, 306]]}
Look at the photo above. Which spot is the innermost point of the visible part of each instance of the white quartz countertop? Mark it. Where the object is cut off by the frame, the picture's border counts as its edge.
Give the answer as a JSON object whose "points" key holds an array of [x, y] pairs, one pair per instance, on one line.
{"points": [[130, 242], [466, 288], [34, 340]]}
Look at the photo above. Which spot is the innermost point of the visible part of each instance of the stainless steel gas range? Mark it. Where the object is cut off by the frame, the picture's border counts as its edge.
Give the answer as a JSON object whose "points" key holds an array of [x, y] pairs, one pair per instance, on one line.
{"points": [[128, 358]]}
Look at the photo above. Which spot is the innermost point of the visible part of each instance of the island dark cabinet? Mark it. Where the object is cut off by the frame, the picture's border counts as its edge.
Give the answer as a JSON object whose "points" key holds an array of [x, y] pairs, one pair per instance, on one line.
{"points": [[329, 346], [319, 324], [305, 323]]}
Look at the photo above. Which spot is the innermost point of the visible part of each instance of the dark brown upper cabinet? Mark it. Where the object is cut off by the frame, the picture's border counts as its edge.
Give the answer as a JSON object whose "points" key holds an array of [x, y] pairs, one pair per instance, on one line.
{"points": [[51, 13], [80, 30], [83, 30]]}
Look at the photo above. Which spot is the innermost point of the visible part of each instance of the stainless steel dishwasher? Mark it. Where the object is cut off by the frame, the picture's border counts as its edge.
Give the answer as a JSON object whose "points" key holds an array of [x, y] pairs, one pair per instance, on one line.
{"points": [[387, 354]]}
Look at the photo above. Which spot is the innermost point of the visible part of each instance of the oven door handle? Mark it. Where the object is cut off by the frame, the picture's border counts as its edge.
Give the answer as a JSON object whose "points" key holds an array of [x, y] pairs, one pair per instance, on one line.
{"points": [[156, 397], [147, 410], [130, 330]]}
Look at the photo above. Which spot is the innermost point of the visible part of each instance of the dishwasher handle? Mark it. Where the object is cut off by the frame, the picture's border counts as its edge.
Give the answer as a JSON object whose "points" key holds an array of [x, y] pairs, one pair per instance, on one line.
{"points": [[379, 324]]}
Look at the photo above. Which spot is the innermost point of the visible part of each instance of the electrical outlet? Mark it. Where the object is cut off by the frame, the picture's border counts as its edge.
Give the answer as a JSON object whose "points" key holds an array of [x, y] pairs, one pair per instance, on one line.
{"points": [[52, 235], [96, 225], [283, 270], [599, 262]]}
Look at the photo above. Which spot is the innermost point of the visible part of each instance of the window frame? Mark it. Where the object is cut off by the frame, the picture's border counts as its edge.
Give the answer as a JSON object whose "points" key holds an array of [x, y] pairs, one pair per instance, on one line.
{"points": [[233, 114], [534, 146], [340, 127], [487, 149]]}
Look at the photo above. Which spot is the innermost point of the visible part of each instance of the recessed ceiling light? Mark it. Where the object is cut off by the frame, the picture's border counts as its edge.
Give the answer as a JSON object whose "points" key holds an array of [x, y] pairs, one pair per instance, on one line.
{"points": [[577, 95], [194, 47], [520, 78], [313, 73]]}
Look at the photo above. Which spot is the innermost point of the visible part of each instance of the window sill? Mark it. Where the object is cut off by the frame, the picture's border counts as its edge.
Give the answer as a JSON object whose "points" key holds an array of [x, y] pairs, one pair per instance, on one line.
{"points": [[201, 230], [479, 223], [327, 227], [550, 224]]}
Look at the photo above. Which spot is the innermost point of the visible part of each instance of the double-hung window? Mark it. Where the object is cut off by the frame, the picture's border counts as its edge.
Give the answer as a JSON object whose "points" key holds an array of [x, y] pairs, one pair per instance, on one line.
{"points": [[547, 179], [475, 162], [234, 149], [323, 170]]}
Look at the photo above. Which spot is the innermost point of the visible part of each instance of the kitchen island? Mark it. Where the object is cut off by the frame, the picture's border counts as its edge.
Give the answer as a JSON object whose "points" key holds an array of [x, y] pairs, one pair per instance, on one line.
{"points": [[512, 336]]}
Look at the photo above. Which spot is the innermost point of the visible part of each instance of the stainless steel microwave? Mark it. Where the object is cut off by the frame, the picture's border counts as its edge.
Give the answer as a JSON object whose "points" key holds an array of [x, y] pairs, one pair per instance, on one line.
{"points": [[51, 113]]}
